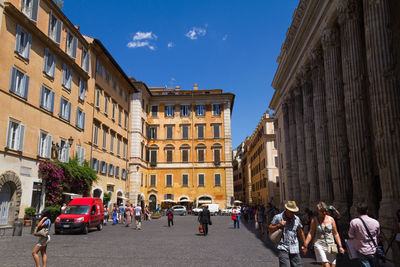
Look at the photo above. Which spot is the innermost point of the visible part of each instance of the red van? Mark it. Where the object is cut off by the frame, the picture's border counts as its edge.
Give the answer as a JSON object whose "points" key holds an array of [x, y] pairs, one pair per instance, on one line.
{"points": [[80, 215]]}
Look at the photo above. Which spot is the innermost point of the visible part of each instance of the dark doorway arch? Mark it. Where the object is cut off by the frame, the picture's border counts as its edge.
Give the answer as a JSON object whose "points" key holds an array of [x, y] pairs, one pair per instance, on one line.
{"points": [[10, 197], [152, 203]]}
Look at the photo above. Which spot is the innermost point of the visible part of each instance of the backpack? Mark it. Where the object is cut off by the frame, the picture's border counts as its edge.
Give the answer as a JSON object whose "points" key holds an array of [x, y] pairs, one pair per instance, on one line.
{"points": [[170, 215]]}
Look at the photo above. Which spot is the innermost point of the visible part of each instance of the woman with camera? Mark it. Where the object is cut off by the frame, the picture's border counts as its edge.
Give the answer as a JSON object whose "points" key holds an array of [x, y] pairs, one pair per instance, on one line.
{"points": [[41, 246]]}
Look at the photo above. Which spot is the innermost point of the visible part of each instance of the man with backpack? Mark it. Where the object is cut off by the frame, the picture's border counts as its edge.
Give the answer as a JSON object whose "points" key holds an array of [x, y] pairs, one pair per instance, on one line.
{"points": [[205, 219], [170, 216]]}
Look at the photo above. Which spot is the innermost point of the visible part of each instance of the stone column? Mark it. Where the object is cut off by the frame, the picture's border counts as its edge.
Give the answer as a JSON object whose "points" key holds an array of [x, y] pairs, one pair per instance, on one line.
{"points": [[385, 104], [287, 161], [301, 154], [309, 137], [338, 145], [356, 104], [296, 191], [321, 129]]}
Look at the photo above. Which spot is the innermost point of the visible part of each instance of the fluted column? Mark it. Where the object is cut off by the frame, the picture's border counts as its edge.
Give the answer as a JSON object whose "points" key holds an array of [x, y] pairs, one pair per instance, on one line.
{"points": [[384, 96], [356, 104], [320, 124], [301, 155], [288, 165], [296, 196], [309, 137], [338, 145]]}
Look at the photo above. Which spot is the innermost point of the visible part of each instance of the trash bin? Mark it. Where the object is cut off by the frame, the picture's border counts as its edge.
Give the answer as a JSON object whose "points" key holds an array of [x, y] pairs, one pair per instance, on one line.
{"points": [[17, 231]]}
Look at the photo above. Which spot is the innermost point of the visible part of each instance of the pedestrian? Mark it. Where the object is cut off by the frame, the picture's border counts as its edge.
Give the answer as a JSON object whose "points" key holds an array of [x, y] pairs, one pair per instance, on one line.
{"points": [[127, 215], [138, 217], [205, 219], [132, 209], [147, 213], [309, 215], [324, 232], [105, 220], [236, 217], [121, 213], [63, 208], [115, 215], [170, 216], [288, 246], [364, 231], [397, 227], [260, 218], [41, 246]]}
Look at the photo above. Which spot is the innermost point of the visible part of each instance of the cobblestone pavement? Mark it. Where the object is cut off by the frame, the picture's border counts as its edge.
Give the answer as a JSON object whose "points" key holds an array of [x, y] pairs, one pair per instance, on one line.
{"points": [[154, 245]]}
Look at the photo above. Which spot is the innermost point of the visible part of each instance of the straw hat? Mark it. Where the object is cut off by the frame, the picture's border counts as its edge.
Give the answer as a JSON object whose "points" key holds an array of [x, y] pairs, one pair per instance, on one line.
{"points": [[291, 206]]}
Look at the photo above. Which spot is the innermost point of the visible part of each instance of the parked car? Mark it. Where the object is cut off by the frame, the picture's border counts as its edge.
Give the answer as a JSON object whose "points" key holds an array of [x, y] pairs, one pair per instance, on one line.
{"points": [[213, 208], [197, 210], [227, 211], [80, 215], [179, 210]]}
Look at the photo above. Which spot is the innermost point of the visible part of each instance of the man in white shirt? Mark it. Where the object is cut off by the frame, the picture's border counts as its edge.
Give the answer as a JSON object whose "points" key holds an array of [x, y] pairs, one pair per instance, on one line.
{"points": [[138, 217]]}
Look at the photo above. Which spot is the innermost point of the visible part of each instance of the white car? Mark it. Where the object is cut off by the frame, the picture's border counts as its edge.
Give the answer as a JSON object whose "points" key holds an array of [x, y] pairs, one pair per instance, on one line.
{"points": [[179, 210], [196, 211], [227, 211]]}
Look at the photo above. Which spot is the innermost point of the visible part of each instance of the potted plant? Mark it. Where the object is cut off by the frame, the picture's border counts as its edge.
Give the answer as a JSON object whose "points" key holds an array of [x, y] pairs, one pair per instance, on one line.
{"points": [[156, 215], [29, 213]]}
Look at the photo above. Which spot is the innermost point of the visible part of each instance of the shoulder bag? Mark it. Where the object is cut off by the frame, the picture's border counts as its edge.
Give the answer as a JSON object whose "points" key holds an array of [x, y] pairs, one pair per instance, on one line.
{"points": [[42, 232], [276, 235], [332, 248], [379, 253]]}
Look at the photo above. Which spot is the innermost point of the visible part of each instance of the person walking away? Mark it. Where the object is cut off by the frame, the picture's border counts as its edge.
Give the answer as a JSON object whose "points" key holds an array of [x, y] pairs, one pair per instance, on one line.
{"points": [[105, 219], [115, 215], [138, 216], [41, 246], [235, 218], [359, 228], [204, 219], [170, 216], [121, 213], [288, 246], [324, 232], [127, 215], [132, 209], [260, 218]]}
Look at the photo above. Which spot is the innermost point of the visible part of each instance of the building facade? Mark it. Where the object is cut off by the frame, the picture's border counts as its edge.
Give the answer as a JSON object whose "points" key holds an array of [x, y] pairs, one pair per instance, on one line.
{"points": [[181, 147], [48, 88], [239, 177], [337, 105]]}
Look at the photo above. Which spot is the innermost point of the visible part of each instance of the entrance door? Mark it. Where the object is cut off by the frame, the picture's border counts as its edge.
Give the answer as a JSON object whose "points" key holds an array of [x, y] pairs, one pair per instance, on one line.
{"points": [[152, 202], [5, 197]]}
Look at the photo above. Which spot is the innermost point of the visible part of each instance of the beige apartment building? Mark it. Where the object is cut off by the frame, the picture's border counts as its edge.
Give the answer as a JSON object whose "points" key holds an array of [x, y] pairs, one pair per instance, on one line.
{"points": [[54, 87]]}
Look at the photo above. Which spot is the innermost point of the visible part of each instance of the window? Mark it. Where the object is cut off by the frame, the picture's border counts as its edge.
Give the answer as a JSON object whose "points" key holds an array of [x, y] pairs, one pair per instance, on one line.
{"points": [[49, 65], [126, 120], [169, 131], [200, 110], [217, 155], [153, 180], [45, 140], [30, 8], [113, 111], [200, 180], [216, 130], [169, 111], [66, 76], [55, 28], [141, 151], [120, 91], [65, 109], [15, 136], [106, 99], [63, 155], [141, 180], [185, 132], [80, 119], [96, 133], [200, 155], [200, 131], [23, 42], [80, 154], [95, 164], [114, 84], [103, 167], [185, 179], [99, 67], [276, 162], [275, 146], [185, 155], [216, 109], [112, 143], [154, 111], [153, 158], [85, 60], [98, 93], [123, 174], [145, 181], [110, 170], [124, 150], [105, 130], [117, 171], [169, 196], [107, 77], [71, 45], [19, 83], [82, 89], [118, 146], [119, 116], [185, 110], [168, 180], [217, 179], [169, 155], [47, 99], [142, 104], [153, 132]]}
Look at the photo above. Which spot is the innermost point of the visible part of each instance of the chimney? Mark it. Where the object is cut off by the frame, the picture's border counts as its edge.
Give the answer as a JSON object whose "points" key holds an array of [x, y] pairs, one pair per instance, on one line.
{"points": [[78, 28], [177, 87], [195, 87]]}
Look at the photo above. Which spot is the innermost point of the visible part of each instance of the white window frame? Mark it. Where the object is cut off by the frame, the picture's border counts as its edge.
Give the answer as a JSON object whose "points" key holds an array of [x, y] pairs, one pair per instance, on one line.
{"points": [[19, 83], [166, 180], [124, 150], [200, 112], [188, 155], [153, 132], [55, 28], [126, 120], [204, 155], [63, 154], [95, 164], [80, 154], [30, 8], [80, 119], [103, 167], [98, 93], [185, 185], [71, 45], [47, 98], [44, 145], [215, 111], [105, 130], [220, 180], [15, 135], [67, 76], [111, 170], [169, 111], [23, 41], [85, 59], [112, 143], [198, 180], [185, 110], [49, 65], [95, 134], [106, 99], [82, 89], [65, 109]]}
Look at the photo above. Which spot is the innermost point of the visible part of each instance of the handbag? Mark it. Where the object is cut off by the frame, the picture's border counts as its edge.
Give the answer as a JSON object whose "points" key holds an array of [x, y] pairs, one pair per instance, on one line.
{"points": [[276, 236], [234, 217], [42, 232], [379, 253], [256, 226], [201, 229]]}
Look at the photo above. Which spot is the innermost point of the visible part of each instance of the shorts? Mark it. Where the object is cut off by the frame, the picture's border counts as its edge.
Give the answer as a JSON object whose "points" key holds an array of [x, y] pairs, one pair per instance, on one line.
{"points": [[322, 255], [43, 241]]}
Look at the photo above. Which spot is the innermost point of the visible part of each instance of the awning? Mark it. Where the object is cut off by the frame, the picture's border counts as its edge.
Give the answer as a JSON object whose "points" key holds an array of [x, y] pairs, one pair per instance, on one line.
{"points": [[237, 201], [167, 200], [205, 201], [185, 200]]}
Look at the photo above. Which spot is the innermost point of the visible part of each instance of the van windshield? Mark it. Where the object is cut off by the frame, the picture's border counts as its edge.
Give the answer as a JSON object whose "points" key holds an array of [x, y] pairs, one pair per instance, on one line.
{"points": [[77, 209]]}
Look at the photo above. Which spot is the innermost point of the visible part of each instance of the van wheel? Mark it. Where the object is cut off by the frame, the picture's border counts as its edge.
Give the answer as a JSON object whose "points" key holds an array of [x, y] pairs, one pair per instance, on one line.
{"points": [[85, 229], [215, 213], [100, 226]]}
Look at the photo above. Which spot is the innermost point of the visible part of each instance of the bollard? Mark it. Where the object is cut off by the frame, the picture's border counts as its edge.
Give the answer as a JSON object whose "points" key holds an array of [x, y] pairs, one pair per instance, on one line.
{"points": [[17, 231]]}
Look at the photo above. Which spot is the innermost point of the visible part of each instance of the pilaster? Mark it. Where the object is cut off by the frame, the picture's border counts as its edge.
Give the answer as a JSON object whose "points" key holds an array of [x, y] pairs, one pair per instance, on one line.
{"points": [[228, 153], [287, 161]]}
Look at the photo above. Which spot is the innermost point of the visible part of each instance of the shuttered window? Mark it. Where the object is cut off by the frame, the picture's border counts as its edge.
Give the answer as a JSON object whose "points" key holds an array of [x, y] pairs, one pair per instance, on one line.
{"points": [[153, 180], [55, 28], [65, 109], [71, 45], [185, 155], [67, 76], [185, 132], [169, 156], [49, 65], [23, 42], [19, 83], [82, 89], [44, 146], [30, 8], [80, 154], [47, 99], [200, 153], [200, 131], [80, 119], [85, 60], [15, 136]]}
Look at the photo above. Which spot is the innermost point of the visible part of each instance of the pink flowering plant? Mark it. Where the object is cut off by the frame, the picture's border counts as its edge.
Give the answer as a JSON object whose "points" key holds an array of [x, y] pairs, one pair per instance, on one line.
{"points": [[52, 176]]}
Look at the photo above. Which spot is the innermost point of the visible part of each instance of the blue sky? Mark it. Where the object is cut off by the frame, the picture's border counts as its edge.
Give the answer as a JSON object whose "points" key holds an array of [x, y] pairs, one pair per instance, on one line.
{"points": [[227, 44]]}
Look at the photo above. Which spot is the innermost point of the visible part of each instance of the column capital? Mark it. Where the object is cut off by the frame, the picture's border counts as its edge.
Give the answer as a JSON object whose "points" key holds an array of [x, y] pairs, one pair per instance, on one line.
{"points": [[348, 10], [330, 38], [316, 58]]}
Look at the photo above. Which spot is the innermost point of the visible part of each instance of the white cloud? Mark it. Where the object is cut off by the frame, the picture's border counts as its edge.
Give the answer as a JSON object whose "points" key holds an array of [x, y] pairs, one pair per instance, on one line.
{"points": [[171, 44], [141, 39], [225, 37], [195, 33]]}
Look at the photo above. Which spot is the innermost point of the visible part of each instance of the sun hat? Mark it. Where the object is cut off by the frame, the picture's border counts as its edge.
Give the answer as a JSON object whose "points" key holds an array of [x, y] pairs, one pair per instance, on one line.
{"points": [[291, 206]]}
